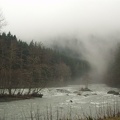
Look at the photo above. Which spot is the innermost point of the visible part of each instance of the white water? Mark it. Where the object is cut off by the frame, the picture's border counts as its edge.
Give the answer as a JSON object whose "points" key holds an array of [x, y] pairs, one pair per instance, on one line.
{"points": [[65, 100]]}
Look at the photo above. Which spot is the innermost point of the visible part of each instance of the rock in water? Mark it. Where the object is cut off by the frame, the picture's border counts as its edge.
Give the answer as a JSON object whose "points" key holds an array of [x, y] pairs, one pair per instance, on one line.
{"points": [[113, 92], [85, 89]]}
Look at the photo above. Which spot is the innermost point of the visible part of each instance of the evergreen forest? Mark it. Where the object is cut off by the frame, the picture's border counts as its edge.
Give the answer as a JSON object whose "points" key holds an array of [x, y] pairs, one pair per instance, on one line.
{"points": [[33, 65]]}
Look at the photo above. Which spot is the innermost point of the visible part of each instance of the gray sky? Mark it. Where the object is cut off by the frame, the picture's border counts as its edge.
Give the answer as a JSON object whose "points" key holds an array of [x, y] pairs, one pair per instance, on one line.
{"points": [[41, 19], [96, 23]]}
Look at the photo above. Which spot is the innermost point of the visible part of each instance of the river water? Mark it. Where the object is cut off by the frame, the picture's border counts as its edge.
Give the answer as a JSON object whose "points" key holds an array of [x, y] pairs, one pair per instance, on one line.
{"points": [[63, 102]]}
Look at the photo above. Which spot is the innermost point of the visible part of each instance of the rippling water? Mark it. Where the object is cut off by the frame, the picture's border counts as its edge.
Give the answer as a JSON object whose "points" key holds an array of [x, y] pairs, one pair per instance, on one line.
{"points": [[63, 100]]}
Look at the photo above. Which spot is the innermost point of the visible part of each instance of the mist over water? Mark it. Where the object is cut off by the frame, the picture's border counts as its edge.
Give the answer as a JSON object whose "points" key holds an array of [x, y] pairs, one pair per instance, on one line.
{"points": [[98, 51]]}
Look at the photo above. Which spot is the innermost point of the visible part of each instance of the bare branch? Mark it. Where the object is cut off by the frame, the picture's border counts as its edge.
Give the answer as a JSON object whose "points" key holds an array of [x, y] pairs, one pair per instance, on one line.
{"points": [[2, 20]]}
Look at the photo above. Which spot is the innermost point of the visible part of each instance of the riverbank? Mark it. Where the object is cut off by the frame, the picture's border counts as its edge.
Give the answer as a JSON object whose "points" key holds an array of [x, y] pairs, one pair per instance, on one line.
{"points": [[8, 98]]}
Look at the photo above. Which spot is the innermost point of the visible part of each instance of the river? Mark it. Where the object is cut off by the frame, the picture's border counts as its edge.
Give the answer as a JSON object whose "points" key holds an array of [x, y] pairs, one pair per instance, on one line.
{"points": [[62, 101]]}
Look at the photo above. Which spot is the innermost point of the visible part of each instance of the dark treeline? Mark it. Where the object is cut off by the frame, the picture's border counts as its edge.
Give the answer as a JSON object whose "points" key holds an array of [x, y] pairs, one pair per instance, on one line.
{"points": [[32, 65], [113, 73]]}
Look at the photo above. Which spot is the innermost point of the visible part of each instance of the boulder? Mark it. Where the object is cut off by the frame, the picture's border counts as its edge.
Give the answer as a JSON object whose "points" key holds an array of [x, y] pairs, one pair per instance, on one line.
{"points": [[113, 92], [85, 89], [63, 91], [86, 95], [36, 95]]}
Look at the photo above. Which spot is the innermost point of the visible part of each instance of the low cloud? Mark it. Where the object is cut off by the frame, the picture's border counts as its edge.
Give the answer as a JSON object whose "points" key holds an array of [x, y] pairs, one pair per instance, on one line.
{"points": [[98, 51]]}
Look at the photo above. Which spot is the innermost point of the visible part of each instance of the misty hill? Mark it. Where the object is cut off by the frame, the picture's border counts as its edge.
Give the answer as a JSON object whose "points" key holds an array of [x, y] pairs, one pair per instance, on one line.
{"points": [[68, 46], [113, 74], [103, 56]]}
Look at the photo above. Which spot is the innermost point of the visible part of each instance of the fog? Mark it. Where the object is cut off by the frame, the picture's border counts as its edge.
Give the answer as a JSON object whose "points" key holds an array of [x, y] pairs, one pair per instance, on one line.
{"points": [[89, 27], [42, 19], [98, 51]]}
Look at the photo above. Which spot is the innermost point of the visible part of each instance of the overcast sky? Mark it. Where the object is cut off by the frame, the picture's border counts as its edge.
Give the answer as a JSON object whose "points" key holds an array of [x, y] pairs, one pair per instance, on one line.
{"points": [[41, 19]]}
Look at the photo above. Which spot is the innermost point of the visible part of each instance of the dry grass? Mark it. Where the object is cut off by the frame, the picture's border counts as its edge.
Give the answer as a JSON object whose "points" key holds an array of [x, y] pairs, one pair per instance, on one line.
{"points": [[113, 118], [109, 113]]}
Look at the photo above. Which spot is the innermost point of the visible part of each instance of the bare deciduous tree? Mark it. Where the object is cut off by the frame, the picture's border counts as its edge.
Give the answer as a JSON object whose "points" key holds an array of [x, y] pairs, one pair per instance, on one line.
{"points": [[2, 20]]}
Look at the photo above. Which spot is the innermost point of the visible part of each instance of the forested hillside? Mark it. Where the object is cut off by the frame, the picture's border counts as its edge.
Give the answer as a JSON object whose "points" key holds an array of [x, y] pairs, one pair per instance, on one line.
{"points": [[113, 74], [24, 65]]}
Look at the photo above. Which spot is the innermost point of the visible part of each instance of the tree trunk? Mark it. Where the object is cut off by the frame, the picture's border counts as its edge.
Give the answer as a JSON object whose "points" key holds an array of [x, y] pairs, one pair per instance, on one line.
{"points": [[10, 91]]}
